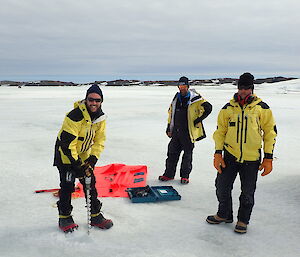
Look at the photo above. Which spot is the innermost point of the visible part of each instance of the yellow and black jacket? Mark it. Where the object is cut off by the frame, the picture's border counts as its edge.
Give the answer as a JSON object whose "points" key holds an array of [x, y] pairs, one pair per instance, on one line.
{"points": [[79, 137], [241, 130], [198, 109]]}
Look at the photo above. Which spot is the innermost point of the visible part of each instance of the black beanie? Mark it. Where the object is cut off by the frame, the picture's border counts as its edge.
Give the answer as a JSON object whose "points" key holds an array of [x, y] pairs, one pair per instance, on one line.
{"points": [[94, 89], [184, 80], [246, 81]]}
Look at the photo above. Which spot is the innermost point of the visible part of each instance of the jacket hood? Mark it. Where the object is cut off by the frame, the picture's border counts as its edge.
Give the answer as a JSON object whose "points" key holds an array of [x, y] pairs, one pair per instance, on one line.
{"points": [[81, 105], [194, 96], [255, 101]]}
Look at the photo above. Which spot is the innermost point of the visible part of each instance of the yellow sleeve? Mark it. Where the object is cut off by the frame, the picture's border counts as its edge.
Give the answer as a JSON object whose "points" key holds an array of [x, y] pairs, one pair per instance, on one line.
{"points": [[169, 114], [220, 133], [269, 129], [69, 138]]}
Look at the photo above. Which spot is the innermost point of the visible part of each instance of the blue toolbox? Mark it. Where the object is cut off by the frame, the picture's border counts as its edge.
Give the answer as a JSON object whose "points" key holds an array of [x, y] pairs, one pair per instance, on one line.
{"points": [[152, 194]]}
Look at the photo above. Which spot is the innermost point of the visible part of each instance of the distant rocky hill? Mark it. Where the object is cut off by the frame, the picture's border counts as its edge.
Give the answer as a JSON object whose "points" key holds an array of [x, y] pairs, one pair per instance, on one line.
{"points": [[120, 82], [49, 83]]}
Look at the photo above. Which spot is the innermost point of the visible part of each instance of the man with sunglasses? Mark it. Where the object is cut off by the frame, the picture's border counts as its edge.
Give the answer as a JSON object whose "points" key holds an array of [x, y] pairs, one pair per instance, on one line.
{"points": [[187, 111], [243, 124], [78, 146]]}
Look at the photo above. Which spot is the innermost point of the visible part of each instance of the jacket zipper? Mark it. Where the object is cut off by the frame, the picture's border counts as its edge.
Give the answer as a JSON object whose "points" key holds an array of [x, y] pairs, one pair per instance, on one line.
{"points": [[246, 119], [258, 126], [241, 144], [238, 129]]}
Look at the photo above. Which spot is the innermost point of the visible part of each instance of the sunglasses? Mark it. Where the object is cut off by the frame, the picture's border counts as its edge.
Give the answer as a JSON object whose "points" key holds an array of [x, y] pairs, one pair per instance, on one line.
{"points": [[97, 100], [245, 87]]}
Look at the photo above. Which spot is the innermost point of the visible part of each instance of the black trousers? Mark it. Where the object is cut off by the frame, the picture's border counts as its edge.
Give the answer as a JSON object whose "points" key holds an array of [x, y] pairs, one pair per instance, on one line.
{"points": [[179, 142], [224, 184], [67, 185]]}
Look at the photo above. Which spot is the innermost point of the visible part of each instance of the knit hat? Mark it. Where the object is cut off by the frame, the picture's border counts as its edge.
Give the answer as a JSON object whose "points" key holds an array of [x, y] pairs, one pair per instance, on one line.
{"points": [[184, 80], [246, 81], [94, 89]]}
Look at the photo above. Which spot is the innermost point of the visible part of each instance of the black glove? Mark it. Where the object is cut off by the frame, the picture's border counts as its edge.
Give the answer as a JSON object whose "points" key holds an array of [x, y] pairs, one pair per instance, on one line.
{"points": [[92, 160], [196, 121], [79, 169]]}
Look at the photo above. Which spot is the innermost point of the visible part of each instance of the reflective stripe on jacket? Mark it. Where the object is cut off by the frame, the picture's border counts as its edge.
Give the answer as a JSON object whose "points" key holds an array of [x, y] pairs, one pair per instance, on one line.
{"points": [[195, 111], [79, 137], [241, 130]]}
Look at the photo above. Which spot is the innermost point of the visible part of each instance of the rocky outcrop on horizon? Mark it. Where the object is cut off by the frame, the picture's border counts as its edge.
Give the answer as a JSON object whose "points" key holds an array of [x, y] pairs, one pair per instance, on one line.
{"points": [[121, 82]]}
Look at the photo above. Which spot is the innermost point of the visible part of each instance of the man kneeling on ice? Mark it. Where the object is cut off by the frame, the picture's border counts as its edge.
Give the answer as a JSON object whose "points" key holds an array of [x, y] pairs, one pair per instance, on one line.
{"points": [[78, 146]]}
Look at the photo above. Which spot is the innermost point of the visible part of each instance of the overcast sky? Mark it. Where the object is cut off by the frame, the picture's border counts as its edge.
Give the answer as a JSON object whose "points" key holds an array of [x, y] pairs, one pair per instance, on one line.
{"points": [[87, 40]]}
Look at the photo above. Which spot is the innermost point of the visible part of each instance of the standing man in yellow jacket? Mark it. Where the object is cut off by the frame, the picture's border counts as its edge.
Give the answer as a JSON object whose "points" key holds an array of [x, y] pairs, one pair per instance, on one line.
{"points": [[78, 146], [186, 113], [243, 125]]}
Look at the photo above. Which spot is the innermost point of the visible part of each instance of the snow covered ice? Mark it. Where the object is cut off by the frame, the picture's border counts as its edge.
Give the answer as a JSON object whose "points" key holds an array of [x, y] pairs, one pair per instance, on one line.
{"points": [[137, 116]]}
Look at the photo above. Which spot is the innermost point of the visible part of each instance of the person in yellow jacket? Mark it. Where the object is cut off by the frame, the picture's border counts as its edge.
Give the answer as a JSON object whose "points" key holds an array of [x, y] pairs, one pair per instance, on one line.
{"points": [[78, 146], [187, 111], [245, 125]]}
